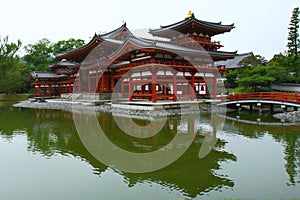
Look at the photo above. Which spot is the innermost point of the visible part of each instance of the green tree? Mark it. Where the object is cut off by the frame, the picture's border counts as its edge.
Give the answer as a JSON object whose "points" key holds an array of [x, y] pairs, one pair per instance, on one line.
{"points": [[65, 45], [293, 36], [256, 73], [231, 77], [13, 73], [290, 65], [39, 55], [9, 49], [254, 60]]}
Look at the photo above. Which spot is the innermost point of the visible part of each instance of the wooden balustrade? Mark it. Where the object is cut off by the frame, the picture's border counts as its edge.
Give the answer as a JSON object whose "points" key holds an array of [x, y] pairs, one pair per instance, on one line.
{"points": [[273, 96]]}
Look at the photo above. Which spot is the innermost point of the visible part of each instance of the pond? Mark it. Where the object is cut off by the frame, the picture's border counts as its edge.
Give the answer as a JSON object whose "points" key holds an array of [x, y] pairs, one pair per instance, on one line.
{"points": [[52, 154]]}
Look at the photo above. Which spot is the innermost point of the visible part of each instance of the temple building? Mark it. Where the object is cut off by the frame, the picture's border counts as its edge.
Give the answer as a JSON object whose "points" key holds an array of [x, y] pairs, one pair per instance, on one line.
{"points": [[178, 62]]}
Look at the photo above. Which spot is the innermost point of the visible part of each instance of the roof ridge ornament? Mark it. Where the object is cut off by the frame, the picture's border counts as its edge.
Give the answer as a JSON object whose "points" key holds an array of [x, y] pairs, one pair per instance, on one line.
{"points": [[190, 14]]}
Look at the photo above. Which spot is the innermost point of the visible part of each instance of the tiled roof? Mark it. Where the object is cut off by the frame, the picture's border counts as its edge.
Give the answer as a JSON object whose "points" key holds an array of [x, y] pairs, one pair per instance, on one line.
{"points": [[217, 27], [65, 63], [233, 63], [45, 75], [116, 32], [66, 71], [167, 46]]}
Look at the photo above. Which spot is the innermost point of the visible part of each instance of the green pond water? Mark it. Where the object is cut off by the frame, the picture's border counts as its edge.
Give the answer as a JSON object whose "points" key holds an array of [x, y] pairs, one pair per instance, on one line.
{"points": [[45, 154]]}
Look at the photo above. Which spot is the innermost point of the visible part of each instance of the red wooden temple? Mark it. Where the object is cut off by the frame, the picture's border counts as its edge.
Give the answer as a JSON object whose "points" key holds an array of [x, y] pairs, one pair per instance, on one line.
{"points": [[177, 63]]}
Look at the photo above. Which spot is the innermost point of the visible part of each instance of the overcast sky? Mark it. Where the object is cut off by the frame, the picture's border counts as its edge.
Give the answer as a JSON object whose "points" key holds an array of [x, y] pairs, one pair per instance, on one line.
{"points": [[261, 25]]}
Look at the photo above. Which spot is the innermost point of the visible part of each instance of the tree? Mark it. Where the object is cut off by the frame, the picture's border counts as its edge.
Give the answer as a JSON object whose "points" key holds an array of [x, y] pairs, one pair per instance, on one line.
{"points": [[256, 73], [39, 55], [13, 75], [231, 77], [293, 36], [9, 49], [253, 60], [65, 45], [255, 77]]}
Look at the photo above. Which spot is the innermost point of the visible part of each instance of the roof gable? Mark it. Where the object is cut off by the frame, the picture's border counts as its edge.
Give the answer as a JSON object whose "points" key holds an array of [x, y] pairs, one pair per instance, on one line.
{"points": [[191, 24]]}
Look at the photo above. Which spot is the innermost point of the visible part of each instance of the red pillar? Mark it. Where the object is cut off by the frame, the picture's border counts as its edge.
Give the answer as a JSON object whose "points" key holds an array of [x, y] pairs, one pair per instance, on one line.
{"points": [[154, 97], [122, 87], [175, 86], [49, 90], [130, 91], [78, 82], [215, 87], [193, 85]]}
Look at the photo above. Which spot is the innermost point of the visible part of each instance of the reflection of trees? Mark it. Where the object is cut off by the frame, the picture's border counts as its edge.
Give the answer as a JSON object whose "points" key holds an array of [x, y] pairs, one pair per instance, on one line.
{"points": [[14, 119], [53, 132], [189, 173], [288, 135]]}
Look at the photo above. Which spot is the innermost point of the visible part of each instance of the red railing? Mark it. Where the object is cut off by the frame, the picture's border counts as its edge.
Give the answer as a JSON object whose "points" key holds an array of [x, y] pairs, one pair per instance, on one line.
{"points": [[274, 96]]}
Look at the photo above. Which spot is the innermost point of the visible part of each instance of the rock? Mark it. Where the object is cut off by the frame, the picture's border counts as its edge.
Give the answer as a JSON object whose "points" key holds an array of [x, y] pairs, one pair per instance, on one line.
{"points": [[289, 116]]}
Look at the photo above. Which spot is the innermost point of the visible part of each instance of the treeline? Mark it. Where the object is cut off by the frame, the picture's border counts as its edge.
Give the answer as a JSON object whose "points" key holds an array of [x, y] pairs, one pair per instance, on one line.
{"points": [[15, 69], [256, 74]]}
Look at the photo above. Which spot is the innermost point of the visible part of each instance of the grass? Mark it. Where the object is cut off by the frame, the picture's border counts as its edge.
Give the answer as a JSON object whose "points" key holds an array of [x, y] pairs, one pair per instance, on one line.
{"points": [[13, 97]]}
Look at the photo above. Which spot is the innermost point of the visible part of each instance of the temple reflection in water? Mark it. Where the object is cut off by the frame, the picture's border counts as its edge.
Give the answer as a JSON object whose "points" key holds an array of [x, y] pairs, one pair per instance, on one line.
{"points": [[52, 132]]}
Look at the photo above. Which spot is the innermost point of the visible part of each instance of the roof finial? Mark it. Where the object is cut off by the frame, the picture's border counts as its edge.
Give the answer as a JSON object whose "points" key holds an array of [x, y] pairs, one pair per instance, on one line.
{"points": [[123, 22], [190, 14]]}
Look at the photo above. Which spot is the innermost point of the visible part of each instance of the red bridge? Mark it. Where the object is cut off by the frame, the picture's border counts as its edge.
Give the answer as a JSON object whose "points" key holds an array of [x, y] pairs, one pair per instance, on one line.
{"points": [[280, 98], [274, 96]]}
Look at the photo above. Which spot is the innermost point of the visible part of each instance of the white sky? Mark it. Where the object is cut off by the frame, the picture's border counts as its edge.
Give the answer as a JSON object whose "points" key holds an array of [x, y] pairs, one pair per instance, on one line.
{"points": [[261, 25]]}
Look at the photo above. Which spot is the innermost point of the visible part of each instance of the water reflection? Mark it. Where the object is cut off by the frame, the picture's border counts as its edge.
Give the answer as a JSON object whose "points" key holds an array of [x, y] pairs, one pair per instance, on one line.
{"points": [[52, 132], [288, 135]]}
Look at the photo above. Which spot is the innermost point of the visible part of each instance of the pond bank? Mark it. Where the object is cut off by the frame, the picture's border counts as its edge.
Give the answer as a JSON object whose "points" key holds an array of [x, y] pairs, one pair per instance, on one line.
{"points": [[139, 110], [13, 97], [289, 116]]}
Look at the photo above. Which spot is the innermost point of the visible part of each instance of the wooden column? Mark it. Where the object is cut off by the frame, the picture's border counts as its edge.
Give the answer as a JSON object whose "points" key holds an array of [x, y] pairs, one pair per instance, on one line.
{"points": [[154, 97], [193, 85], [215, 87], [78, 82], [89, 82], [102, 82], [122, 87], [130, 91], [49, 90], [39, 90], [175, 85]]}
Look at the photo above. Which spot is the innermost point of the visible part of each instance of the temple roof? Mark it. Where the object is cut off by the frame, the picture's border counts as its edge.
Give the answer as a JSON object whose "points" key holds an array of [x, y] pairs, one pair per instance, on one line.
{"points": [[190, 25], [64, 63], [112, 38], [234, 63], [66, 71], [170, 47], [45, 75], [114, 41], [120, 33]]}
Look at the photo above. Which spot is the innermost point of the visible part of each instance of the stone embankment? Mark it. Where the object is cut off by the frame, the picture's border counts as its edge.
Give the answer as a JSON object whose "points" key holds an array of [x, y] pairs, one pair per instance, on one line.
{"points": [[289, 116], [107, 108]]}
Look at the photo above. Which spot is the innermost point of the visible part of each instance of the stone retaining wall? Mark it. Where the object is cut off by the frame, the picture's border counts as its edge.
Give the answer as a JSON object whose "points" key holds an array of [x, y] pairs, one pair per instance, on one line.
{"points": [[289, 116]]}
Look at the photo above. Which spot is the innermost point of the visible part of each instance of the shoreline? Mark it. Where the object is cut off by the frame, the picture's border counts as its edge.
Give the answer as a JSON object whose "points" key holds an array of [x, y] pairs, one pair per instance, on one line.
{"points": [[142, 113], [293, 116], [108, 108]]}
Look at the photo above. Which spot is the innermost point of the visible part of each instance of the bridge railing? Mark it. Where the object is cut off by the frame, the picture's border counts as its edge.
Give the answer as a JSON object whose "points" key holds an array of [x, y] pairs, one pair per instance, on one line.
{"points": [[274, 96]]}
